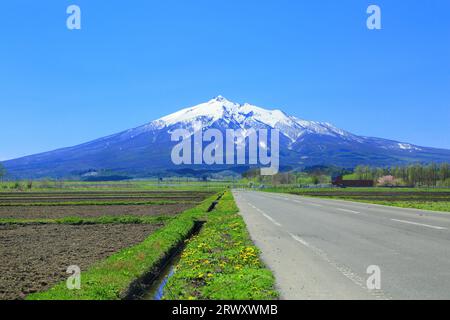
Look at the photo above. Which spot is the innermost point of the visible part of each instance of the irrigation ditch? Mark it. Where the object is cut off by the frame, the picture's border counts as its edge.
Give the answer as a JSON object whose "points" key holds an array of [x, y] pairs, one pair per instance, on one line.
{"points": [[152, 284]]}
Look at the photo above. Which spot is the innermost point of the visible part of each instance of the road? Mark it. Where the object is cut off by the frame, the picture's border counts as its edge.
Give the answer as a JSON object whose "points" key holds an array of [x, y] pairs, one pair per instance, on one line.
{"points": [[321, 249]]}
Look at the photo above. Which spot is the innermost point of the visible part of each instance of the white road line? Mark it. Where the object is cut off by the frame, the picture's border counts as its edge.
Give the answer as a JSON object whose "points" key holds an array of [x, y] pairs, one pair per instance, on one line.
{"points": [[344, 270], [268, 217], [271, 220], [348, 211], [316, 204], [419, 224], [298, 201], [298, 239]]}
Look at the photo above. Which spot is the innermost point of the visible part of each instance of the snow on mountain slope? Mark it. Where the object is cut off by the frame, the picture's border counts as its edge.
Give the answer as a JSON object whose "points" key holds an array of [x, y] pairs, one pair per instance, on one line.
{"points": [[247, 116]]}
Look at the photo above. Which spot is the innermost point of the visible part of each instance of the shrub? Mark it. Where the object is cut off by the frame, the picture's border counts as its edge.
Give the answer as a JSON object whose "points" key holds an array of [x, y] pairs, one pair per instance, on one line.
{"points": [[17, 186]]}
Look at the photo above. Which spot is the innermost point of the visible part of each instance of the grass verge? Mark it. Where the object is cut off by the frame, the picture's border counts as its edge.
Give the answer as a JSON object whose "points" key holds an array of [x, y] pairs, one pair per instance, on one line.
{"points": [[221, 262], [425, 205], [423, 199]]}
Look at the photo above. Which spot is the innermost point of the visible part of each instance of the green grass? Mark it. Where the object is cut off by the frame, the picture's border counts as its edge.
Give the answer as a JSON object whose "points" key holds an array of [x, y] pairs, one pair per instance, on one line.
{"points": [[110, 278], [131, 185], [96, 220], [221, 262], [290, 189], [443, 206]]}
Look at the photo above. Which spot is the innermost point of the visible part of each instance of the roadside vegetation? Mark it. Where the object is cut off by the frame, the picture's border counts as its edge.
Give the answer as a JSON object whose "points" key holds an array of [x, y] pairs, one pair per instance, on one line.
{"points": [[423, 205], [221, 262], [418, 198]]}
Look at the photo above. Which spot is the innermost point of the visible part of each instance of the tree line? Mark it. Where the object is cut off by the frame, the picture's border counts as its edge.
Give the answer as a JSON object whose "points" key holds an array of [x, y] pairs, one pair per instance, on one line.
{"points": [[430, 175], [416, 175]]}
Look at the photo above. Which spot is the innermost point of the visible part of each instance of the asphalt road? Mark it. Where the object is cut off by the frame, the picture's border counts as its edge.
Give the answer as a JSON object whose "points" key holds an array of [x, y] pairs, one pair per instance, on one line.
{"points": [[321, 249]]}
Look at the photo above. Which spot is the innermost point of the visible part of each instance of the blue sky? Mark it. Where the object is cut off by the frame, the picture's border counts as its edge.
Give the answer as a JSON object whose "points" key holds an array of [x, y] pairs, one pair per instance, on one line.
{"points": [[135, 61]]}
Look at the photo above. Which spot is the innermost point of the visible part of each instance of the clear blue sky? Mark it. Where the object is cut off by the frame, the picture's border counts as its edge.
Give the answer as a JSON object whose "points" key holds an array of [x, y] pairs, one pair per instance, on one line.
{"points": [[135, 61]]}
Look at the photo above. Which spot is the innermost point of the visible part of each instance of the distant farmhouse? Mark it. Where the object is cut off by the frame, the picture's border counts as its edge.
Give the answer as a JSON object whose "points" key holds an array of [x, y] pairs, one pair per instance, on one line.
{"points": [[340, 182]]}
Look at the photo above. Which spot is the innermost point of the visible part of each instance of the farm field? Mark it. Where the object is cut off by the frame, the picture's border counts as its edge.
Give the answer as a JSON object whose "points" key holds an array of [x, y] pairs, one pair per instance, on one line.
{"points": [[419, 198], [118, 234], [38, 205], [90, 211], [43, 233], [111, 186], [35, 257]]}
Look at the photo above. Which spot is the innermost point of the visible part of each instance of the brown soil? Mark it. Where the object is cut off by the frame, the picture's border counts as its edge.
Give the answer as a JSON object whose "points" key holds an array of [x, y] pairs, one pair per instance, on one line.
{"points": [[7, 200], [94, 194], [35, 257], [54, 212]]}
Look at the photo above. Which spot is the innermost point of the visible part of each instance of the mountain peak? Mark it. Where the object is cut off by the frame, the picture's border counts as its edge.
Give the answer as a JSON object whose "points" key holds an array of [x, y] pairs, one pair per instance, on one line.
{"points": [[220, 98]]}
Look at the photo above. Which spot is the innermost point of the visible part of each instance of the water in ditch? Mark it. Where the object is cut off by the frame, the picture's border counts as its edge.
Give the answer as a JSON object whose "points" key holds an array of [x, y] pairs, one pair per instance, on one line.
{"points": [[159, 287]]}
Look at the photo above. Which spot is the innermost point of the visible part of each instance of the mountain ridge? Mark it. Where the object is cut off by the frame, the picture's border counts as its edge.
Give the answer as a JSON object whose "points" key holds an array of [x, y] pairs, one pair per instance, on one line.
{"points": [[145, 150]]}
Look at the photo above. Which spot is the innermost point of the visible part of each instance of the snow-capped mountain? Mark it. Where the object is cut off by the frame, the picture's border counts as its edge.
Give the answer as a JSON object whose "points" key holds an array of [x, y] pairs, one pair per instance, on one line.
{"points": [[145, 150], [245, 116]]}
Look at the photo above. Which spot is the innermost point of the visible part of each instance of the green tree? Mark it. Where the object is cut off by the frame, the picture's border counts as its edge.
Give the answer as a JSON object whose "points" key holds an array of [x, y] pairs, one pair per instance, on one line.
{"points": [[444, 172], [315, 180], [2, 172]]}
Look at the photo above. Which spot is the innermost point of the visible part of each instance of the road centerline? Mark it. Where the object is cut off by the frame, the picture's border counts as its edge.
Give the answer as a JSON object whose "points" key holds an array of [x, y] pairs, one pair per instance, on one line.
{"points": [[419, 224], [348, 211], [266, 215], [315, 204], [271, 219]]}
